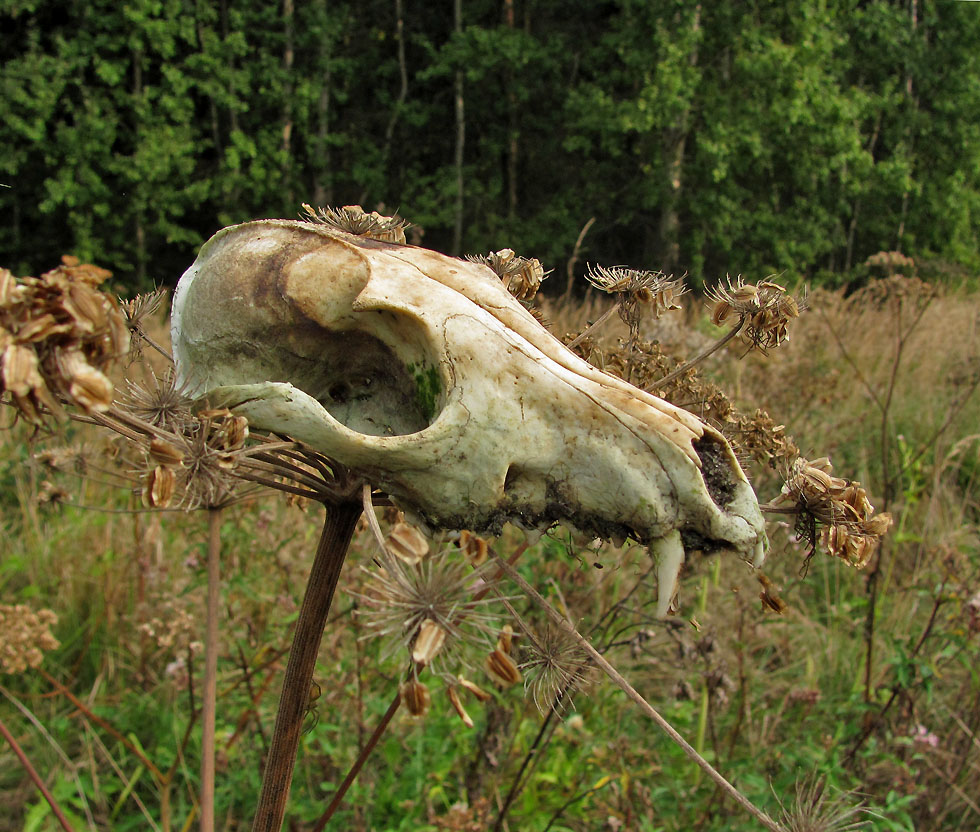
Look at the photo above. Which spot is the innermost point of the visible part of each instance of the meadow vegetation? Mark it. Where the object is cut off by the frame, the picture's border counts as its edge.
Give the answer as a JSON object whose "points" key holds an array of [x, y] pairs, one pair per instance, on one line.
{"points": [[823, 687]]}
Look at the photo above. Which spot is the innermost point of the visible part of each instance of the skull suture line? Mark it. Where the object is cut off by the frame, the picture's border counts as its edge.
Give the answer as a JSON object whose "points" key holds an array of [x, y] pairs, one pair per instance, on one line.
{"points": [[423, 373]]}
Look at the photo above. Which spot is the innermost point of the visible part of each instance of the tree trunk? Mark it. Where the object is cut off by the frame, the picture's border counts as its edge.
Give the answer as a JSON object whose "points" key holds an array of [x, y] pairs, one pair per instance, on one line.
{"points": [[460, 137], [288, 58], [322, 182], [513, 128], [674, 146]]}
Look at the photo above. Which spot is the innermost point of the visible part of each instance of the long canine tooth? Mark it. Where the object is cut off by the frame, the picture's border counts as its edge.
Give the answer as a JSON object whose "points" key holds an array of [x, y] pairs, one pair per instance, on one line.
{"points": [[669, 552]]}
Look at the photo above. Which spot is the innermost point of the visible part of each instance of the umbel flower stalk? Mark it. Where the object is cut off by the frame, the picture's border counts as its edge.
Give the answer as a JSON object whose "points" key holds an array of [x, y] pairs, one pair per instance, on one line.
{"points": [[338, 528]]}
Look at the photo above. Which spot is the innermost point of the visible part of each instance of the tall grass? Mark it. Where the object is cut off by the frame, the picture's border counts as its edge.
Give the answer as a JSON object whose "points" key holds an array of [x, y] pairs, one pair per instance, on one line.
{"points": [[868, 682]]}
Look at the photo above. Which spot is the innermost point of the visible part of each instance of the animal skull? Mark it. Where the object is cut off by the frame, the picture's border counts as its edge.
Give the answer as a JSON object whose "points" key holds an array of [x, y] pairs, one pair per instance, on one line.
{"points": [[424, 374]]}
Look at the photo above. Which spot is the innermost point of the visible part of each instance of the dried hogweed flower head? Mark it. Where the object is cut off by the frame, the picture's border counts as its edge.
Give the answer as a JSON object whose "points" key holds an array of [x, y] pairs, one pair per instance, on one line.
{"points": [[24, 636], [432, 607], [556, 665], [851, 529], [638, 291], [764, 310], [355, 220], [161, 402], [137, 311], [58, 335], [522, 275], [196, 462]]}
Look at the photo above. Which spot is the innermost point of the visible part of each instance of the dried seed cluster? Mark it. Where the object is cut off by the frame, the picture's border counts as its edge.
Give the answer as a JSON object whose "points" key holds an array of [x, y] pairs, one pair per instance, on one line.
{"points": [[24, 636], [161, 402], [638, 291], [58, 334], [851, 530], [890, 262], [764, 310], [196, 462], [556, 665], [137, 311], [754, 434], [437, 606], [355, 220], [429, 605], [522, 275]]}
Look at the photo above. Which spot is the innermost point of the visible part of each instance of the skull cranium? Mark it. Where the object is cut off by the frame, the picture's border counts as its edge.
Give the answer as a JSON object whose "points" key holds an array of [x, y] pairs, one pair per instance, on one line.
{"points": [[423, 373]]}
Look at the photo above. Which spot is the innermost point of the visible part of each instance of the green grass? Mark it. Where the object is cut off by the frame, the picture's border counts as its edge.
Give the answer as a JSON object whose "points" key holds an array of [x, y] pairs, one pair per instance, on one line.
{"points": [[772, 698]]}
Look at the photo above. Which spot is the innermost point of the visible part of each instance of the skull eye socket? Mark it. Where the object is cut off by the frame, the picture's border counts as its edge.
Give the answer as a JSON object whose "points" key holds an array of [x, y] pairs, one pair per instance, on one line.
{"points": [[361, 381]]}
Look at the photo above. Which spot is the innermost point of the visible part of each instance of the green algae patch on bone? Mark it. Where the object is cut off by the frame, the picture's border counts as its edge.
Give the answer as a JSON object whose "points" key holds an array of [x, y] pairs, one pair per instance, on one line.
{"points": [[427, 389]]}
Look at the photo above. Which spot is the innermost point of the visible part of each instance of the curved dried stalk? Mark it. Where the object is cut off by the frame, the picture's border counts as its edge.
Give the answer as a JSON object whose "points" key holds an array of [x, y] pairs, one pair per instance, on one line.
{"points": [[645, 706], [35, 777]]}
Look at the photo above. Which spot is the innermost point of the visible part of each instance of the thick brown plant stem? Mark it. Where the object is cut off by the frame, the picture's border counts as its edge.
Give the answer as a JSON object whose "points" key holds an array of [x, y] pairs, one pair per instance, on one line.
{"points": [[338, 528], [210, 693]]}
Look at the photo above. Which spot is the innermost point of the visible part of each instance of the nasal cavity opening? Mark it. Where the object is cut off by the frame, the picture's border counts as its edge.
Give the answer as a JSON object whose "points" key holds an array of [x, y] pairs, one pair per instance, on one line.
{"points": [[716, 469]]}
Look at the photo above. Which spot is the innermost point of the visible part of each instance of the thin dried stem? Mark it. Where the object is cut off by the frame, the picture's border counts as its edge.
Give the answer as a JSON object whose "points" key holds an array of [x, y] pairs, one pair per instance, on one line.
{"points": [[210, 693], [358, 763], [605, 316], [645, 706], [35, 777], [687, 365]]}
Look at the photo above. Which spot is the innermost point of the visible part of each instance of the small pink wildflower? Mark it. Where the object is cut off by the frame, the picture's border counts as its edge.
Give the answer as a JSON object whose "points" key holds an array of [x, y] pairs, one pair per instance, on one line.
{"points": [[923, 736]]}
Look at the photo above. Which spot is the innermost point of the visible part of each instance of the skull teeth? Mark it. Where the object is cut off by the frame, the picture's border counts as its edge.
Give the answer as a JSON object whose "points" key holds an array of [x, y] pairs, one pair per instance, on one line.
{"points": [[669, 552]]}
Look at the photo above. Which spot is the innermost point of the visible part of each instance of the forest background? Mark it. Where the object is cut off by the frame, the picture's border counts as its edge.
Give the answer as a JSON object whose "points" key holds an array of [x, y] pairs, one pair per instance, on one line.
{"points": [[763, 137]]}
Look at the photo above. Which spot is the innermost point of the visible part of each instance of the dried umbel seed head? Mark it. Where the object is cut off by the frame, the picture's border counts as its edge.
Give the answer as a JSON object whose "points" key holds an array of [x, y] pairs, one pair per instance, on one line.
{"points": [[24, 636], [407, 543], [355, 220], [58, 334], [764, 310], [161, 401], [890, 262], [415, 697], [52, 495], [852, 530], [556, 666], [638, 291], [142, 307], [441, 590], [206, 476], [521, 275]]}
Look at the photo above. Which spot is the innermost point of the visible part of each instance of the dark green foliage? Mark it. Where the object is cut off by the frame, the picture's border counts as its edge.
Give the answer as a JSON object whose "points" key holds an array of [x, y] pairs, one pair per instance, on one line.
{"points": [[724, 137]]}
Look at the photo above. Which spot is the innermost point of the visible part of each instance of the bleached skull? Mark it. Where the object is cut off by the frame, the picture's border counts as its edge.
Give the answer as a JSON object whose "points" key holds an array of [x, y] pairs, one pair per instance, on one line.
{"points": [[421, 372]]}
